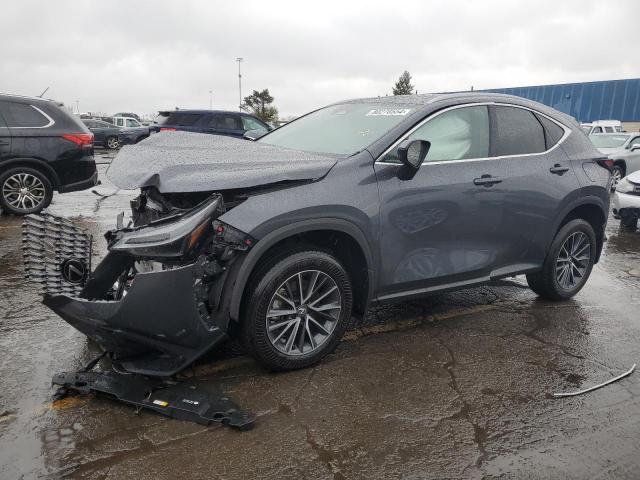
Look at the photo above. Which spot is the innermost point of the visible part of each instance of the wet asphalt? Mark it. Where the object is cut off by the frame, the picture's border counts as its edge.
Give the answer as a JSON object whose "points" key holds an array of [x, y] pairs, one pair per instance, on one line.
{"points": [[457, 385]]}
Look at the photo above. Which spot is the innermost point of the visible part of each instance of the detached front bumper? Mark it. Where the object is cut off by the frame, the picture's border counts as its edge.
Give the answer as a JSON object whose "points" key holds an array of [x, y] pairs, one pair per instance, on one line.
{"points": [[156, 329]]}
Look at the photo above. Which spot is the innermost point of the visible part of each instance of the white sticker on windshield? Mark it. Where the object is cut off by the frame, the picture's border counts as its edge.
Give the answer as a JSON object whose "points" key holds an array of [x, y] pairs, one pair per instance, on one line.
{"points": [[388, 112]]}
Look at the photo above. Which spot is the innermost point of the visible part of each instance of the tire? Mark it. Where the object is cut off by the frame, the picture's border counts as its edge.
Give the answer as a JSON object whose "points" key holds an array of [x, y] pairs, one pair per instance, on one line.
{"points": [[295, 341], [617, 173], [551, 283], [111, 143], [628, 223], [18, 180]]}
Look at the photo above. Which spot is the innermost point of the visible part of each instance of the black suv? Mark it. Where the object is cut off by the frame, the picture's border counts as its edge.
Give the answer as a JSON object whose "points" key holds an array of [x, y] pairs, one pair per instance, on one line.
{"points": [[43, 148], [232, 124], [280, 241]]}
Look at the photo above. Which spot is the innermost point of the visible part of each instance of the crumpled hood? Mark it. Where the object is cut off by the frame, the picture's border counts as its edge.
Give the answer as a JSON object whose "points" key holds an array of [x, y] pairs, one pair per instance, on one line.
{"points": [[176, 162]]}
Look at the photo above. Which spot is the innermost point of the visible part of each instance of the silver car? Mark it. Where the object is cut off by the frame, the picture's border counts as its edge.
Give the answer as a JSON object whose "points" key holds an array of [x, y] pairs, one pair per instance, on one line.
{"points": [[622, 148]]}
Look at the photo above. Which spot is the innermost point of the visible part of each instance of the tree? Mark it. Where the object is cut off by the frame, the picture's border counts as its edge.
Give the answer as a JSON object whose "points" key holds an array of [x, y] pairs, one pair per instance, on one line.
{"points": [[260, 105], [403, 85]]}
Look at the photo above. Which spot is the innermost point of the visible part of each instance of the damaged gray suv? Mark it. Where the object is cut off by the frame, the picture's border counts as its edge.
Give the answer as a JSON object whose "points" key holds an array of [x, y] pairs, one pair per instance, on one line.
{"points": [[280, 242]]}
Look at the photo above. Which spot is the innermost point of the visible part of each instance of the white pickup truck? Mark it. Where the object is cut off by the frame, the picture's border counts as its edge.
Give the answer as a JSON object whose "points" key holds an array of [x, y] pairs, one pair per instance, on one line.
{"points": [[602, 126]]}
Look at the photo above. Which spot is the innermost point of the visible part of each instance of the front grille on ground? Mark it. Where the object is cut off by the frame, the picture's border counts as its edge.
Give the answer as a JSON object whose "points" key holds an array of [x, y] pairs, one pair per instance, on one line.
{"points": [[57, 254]]}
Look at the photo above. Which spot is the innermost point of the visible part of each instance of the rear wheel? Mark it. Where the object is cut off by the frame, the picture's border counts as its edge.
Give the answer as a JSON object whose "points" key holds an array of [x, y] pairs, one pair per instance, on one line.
{"points": [[297, 310], [568, 264], [112, 143], [24, 190], [617, 173]]}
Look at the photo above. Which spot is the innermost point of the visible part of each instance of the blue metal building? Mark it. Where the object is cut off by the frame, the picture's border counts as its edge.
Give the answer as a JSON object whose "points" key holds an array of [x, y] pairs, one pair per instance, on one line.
{"points": [[588, 101]]}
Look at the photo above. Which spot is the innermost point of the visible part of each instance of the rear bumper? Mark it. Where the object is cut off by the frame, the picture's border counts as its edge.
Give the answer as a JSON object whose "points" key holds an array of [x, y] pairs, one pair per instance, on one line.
{"points": [[156, 329], [624, 204], [83, 184]]}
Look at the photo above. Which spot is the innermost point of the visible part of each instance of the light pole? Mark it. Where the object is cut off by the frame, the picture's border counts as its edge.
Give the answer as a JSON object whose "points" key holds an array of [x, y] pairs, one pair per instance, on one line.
{"points": [[239, 60], [210, 99], [78, 106]]}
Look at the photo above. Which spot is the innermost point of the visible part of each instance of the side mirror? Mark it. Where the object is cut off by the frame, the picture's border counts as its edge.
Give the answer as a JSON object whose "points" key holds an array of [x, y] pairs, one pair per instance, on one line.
{"points": [[413, 152], [254, 134], [635, 146]]}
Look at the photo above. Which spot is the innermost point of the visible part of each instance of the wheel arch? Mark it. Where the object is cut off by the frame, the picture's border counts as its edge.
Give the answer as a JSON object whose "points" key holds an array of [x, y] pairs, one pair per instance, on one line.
{"points": [[622, 163], [36, 164], [591, 209], [318, 232]]}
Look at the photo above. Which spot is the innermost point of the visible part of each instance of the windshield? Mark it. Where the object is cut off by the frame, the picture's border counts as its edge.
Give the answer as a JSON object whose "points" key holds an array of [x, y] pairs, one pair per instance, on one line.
{"points": [[608, 141], [339, 129]]}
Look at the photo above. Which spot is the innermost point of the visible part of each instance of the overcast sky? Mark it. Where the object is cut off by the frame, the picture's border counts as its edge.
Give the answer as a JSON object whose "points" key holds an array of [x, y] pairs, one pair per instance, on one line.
{"points": [[144, 56]]}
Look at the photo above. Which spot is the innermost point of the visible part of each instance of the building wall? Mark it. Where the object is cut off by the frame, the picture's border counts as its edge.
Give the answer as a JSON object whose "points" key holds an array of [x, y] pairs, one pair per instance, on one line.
{"points": [[588, 101]]}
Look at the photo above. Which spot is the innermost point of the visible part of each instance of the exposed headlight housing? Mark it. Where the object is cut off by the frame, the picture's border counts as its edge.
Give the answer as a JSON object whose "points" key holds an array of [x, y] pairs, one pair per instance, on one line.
{"points": [[624, 186], [169, 237]]}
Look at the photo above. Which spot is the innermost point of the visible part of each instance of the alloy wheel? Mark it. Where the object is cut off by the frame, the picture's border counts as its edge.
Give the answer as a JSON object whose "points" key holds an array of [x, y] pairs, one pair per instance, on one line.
{"points": [[112, 143], [303, 312], [573, 260], [23, 191], [616, 175]]}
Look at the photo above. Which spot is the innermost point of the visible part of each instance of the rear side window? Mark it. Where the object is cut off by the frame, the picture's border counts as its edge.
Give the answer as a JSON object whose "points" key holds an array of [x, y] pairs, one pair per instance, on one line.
{"points": [[21, 115], [224, 121], [516, 131], [552, 132], [183, 119]]}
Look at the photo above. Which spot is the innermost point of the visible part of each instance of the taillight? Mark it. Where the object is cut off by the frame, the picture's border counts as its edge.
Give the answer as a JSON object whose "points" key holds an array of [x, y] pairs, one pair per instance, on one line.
{"points": [[606, 163], [167, 129], [80, 139]]}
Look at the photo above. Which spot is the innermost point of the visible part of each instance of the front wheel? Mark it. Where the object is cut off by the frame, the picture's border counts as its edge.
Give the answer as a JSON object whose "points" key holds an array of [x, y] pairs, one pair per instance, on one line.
{"points": [[617, 173], [297, 309], [568, 263]]}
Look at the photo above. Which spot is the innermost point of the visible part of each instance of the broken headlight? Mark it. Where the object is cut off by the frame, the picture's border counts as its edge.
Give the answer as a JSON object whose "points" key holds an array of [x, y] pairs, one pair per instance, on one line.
{"points": [[170, 237]]}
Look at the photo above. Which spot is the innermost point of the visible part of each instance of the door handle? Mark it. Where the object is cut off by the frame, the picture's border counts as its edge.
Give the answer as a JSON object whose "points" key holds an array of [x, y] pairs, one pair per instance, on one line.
{"points": [[558, 169], [486, 180]]}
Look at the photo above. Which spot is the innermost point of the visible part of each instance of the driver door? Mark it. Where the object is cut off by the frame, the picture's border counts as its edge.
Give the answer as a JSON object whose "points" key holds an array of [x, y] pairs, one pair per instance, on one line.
{"points": [[443, 225]]}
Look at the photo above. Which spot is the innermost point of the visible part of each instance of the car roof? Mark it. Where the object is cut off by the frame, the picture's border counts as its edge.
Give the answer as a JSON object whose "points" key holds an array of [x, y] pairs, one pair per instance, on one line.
{"points": [[161, 112], [24, 98]]}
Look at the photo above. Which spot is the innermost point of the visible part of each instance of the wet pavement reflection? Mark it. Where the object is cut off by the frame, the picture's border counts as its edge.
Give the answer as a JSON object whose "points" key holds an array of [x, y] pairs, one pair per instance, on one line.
{"points": [[452, 386]]}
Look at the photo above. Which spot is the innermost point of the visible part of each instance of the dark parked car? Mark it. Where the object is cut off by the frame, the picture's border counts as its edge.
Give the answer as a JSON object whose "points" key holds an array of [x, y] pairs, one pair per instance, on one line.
{"points": [[105, 134], [43, 148], [279, 242], [232, 124]]}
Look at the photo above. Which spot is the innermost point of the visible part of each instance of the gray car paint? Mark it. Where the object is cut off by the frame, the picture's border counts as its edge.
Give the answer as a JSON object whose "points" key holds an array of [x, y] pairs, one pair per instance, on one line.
{"points": [[487, 232], [190, 162], [434, 231]]}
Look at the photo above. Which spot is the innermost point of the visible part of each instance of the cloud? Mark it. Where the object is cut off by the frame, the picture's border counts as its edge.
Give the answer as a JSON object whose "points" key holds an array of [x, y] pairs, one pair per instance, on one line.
{"points": [[148, 55]]}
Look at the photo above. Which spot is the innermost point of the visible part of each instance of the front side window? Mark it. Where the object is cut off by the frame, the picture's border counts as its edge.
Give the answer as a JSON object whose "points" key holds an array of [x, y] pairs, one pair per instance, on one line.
{"points": [[458, 134], [132, 123], [342, 129], [597, 130], [252, 124], [21, 115], [517, 132]]}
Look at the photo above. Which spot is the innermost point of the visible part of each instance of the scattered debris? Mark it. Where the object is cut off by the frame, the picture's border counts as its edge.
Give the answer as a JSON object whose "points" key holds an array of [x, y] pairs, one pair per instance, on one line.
{"points": [[203, 404], [580, 392]]}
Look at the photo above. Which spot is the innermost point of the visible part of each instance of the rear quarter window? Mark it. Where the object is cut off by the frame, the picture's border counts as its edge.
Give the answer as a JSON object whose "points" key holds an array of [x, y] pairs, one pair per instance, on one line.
{"points": [[22, 115], [552, 131], [516, 131]]}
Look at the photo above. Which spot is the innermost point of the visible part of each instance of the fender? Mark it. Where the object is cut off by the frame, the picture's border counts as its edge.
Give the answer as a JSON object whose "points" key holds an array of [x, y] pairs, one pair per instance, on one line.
{"points": [[584, 200], [269, 240], [38, 164]]}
